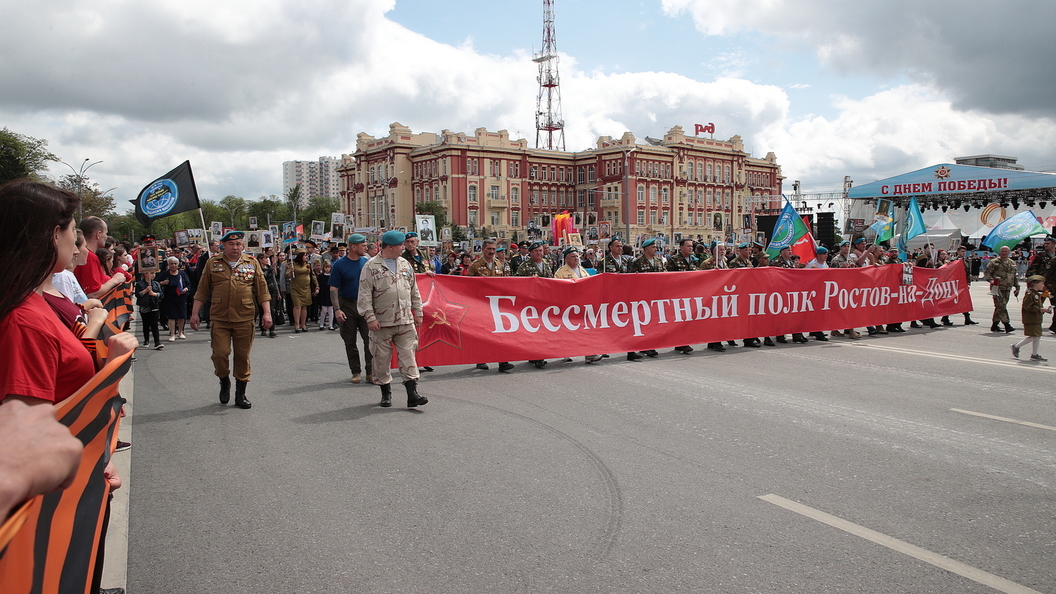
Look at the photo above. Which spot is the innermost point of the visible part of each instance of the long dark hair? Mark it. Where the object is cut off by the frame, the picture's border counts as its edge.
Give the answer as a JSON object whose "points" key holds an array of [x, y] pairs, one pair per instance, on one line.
{"points": [[31, 210]]}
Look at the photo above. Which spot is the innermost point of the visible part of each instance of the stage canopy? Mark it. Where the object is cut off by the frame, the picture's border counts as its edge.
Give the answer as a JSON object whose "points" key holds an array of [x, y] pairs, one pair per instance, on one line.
{"points": [[961, 182]]}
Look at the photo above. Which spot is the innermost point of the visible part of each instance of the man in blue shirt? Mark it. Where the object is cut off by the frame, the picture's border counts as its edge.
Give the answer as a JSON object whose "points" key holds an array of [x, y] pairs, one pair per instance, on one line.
{"points": [[344, 292]]}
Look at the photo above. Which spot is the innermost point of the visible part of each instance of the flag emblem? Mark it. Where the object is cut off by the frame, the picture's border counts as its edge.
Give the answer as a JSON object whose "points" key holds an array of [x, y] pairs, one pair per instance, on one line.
{"points": [[159, 197]]}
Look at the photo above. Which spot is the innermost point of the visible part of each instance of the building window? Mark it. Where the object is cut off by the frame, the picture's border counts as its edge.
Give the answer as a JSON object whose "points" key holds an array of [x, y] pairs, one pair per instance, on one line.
{"points": [[652, 217], [652, 195], [533, 173], [472, 193], [664, 195], [590, 200], [417, 194], [590, 174], [535, 196], [726, 175], [579, 173], [494, 194], [641, 217], [710, 203], [641, 193], [579, 197], [436, 193], [515, 195], [546, 195], [708, 178], [494, 218], [473, 218], [515, 218]]}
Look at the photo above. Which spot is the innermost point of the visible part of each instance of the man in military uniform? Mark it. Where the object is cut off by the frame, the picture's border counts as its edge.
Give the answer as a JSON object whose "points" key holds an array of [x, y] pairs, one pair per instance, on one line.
{"points": [[962, 255], [1002, 276], [744, 260], [615, 260], [234, 285], [649, 261], [717, 261], [1043, 263], [418, 261], [390, 302], [686, 260], [784, 260], [521, 256], [536, 265], [488, 264]]}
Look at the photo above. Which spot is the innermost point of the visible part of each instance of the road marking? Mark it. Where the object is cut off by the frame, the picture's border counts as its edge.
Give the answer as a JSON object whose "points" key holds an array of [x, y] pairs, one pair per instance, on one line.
{"points": [[962, 358], [1005, 419], [976, 575]]}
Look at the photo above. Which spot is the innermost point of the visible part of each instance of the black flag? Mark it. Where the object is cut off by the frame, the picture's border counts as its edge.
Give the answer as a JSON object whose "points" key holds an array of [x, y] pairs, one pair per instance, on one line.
{"points": [[170, 194]]}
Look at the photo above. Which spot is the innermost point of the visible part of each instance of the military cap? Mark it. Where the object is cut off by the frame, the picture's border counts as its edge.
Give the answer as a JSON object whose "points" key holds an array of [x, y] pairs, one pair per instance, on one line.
{"points": [[742, 245], [334, 248], [857, 241], [844, 242], [524, 244], [570, 250], [393, 238], [311, 243], [147, 237], [821, 250], [648, 242], [1035, 278], [356, 238], [1047, 238], [232, 235], [500, 249], [411, 234], [536, 244]]}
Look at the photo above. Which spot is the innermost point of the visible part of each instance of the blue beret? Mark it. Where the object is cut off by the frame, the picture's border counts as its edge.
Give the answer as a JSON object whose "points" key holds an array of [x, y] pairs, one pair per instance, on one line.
{"points": [[741, 246], [821, 250], [411, 234], [570, 250], [648, 242], [393, 238], [232, 235], [859, 240], [357, 238], [536, 244]]}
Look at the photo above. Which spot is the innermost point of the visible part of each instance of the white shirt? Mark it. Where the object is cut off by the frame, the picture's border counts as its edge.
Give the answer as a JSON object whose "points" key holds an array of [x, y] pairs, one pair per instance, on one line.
{"points": [[66, 283]]}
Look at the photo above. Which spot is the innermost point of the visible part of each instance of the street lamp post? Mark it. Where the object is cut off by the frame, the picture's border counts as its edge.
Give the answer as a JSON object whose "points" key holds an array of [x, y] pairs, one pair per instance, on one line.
{"points": [[79, 173]]}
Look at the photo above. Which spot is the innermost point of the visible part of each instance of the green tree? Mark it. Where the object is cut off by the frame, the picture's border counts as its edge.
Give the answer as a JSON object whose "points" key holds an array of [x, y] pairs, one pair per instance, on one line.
{"points": [[94, 202], [235, 208], [22, 156], [436, 209], [269, 208], [458, 234], [319, 208], [293, 201]]}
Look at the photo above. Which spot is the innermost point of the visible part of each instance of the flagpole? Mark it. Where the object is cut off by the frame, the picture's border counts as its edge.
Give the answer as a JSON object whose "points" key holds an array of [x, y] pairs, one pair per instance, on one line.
{"points": [[202, 215]]}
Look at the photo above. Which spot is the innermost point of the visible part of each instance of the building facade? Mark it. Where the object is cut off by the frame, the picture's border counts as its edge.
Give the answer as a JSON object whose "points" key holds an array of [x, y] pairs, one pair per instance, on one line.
{"points": [[316, 178], [679, 185], [995, 161]]}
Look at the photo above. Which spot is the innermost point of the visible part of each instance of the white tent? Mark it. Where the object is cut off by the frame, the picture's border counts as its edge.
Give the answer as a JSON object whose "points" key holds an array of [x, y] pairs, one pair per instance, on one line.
{"points": [[943, 239], [944, 222]]}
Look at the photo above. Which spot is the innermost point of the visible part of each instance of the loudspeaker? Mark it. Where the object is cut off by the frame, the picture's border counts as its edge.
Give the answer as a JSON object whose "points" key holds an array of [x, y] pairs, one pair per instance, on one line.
{"points": [[825, 232]]}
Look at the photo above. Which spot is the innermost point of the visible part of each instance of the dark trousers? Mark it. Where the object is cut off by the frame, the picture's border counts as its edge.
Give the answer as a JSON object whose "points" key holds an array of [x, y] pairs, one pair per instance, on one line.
{"points": [[150, 326], [355, 324]]}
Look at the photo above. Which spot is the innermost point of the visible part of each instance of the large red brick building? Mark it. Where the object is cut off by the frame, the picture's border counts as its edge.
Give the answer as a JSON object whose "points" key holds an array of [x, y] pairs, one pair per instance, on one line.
{"points": [[692, 186]]}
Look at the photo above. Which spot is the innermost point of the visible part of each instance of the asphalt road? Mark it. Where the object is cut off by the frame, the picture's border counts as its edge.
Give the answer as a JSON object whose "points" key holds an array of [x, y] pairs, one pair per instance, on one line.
{"points": [[846, 466]]}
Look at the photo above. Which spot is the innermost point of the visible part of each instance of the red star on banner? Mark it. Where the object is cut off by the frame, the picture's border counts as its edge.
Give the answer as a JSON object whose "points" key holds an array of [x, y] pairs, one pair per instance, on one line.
{"points": [[441, 320]]}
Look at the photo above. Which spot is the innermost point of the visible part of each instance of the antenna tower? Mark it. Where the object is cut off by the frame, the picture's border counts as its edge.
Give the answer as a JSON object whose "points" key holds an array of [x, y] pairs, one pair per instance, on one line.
{"points": [[549, 126]]}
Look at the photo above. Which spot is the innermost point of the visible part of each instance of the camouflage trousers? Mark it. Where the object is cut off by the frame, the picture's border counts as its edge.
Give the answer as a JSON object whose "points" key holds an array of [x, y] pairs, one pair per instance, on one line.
{"points": [[405, 339], [1001, 307]]}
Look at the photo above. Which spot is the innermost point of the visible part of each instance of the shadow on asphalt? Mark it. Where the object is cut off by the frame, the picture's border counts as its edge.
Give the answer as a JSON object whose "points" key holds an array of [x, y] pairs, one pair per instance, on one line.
{"points": [[176, 415], [352, 413]]}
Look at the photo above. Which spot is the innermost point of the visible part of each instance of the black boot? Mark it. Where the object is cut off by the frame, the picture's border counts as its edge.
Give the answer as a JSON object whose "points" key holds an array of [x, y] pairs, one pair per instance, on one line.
{"points": [[1009, 328], [968, 321], [386, 395], [946, 321], [413, 398], [995, 327], [225, 390], [240, 395]]}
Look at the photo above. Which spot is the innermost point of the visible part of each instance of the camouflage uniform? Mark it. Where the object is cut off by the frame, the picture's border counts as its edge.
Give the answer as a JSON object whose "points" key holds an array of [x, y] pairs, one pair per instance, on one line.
{"points": [[643, 264], [1004, 272], [393, 301], [528, 268], [678, 263], [418, 263], [480, 267], [740, 262], [611, 264]]}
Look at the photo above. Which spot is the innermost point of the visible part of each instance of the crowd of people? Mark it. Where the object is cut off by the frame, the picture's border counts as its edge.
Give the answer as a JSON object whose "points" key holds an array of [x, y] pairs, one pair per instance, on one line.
{"points": [[56, 273]]}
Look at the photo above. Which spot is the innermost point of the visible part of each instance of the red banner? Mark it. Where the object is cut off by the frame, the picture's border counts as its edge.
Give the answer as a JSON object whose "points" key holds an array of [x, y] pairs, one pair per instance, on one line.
{"points": [[481, 319]]}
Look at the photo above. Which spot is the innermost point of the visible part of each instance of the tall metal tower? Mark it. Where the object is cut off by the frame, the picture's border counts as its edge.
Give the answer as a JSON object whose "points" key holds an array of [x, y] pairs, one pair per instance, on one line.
{"points": [[549, 125]]}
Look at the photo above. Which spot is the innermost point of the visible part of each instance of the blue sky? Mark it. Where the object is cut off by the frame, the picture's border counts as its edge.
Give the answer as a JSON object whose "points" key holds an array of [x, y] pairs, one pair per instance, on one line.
{"points": [[867, 89]]}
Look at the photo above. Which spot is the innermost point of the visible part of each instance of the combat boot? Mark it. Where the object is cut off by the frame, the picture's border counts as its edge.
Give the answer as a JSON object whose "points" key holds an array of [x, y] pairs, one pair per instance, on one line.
{"points": [[413, 398], [386, 395], [240, 395], [225, 390]]}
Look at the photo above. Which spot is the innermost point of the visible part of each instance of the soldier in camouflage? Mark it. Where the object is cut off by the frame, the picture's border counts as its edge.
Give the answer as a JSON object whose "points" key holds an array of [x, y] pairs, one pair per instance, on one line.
{"points": [[1002, 275], [649, 261], [390, 302]]}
